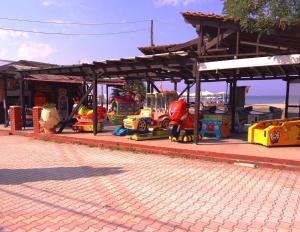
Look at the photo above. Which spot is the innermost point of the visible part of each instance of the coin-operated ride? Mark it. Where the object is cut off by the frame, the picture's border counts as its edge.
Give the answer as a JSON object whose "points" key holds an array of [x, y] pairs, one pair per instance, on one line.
{"points": [[85, 119], [153, 121], [182, 122], [121, 107], [278, 132]]}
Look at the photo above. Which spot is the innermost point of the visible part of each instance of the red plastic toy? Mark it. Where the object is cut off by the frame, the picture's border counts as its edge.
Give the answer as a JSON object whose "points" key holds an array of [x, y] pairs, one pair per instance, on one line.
{"points": [[182, 122], [85, 119]]}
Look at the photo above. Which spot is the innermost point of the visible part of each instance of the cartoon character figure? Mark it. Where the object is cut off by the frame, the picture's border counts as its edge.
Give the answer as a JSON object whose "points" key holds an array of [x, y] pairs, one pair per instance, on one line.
{"points": [[210, 126], [274, 136]]}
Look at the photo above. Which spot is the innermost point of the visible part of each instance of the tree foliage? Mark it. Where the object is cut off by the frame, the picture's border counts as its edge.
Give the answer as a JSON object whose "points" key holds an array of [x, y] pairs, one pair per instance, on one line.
{"points": [[134, 86], [263, 16]]}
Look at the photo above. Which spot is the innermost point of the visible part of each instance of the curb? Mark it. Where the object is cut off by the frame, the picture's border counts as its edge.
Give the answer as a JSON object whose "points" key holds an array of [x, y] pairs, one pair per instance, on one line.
{"points": [[171, 152]]}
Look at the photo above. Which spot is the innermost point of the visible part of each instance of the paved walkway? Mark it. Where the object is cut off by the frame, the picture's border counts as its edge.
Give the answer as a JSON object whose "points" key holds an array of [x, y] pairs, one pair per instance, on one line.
{"points": [[227, 149], [48, 186]]}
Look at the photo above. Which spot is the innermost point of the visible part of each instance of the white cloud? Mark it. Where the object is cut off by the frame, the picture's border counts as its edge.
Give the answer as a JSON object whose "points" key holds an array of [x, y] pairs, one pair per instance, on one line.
{"points": [[3, 53], [172, 2], [34, 50], [85, 61], [8, 35], [48, 3]]}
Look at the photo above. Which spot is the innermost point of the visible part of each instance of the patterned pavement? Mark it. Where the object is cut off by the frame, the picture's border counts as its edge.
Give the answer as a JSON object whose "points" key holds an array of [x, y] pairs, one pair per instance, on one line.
{"points": [[47, 186]]}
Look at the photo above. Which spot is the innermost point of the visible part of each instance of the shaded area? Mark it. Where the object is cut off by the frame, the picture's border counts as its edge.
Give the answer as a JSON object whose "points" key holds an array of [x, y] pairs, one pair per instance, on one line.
{"points": [[20, 176], [103, 220]]}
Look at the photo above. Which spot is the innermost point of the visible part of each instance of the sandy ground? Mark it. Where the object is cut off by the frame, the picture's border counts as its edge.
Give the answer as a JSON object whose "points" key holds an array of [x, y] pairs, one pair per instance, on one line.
{"points": [[277, 105]]}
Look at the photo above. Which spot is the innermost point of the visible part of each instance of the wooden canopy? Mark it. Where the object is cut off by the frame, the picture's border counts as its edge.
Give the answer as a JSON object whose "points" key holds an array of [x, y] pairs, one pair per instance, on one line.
{"points": [[218, 38]]}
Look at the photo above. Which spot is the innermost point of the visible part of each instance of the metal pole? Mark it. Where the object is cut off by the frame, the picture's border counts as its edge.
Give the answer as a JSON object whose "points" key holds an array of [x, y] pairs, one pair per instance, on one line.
{"points": [[102, 95], [21, 81], [95, 115], [151, 87], [107, 97], [151, 32], [175, 86], [233, 105], [197, 104], [148, 87], [287, 96], [188, 92], [5, 106]]}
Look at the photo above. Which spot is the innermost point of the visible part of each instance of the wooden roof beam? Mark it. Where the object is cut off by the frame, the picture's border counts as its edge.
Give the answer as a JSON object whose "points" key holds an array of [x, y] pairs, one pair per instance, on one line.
{"points": [[216, 40], [263, 45], [185, 45]]}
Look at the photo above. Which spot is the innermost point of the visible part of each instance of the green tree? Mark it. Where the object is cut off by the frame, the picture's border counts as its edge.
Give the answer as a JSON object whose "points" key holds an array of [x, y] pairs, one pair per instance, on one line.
{"points": [[136, 87], [263, 16], [132, 86], [116, 92]]}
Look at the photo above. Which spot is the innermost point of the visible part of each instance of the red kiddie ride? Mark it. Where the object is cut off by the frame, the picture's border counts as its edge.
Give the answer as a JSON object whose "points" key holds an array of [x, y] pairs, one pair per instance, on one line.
{"points": [[182, 122], [85, 119]]}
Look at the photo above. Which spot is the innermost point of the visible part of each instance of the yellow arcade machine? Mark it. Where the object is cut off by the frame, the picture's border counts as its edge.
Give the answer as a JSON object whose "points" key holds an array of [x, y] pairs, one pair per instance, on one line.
{"points": [[271, 133]]}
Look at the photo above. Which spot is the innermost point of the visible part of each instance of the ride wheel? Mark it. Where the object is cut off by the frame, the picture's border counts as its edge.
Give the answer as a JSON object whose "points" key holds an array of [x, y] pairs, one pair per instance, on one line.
{"points": [[142, 126], [200, 137], [76, 129], [187, 138], [165, 123]]}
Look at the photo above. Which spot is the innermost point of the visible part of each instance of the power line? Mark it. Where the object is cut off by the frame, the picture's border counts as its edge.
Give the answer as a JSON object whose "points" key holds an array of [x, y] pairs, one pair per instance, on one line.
{"points": [[75, 34], [168, 23], [73, 23]]}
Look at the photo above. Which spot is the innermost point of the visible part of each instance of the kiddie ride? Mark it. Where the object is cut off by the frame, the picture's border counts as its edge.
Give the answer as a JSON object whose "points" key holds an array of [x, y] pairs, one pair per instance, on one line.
{"points": [[153, 121], [121, 107], [85, 119], [278, 132], [182, 122]]}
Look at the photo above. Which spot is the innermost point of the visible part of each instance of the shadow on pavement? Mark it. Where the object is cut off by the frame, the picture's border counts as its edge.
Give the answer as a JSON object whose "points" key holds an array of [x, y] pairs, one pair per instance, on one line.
{"points": [[20, 176]]}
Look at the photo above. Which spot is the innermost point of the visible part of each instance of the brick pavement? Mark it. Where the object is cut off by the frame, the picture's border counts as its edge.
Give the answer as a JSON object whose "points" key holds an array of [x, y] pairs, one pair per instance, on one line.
{"points": [[47, 186]]}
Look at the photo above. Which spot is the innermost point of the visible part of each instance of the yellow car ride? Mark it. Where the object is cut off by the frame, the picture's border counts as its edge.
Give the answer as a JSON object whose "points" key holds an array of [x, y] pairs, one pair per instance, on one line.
{"points": [[147, 118]]}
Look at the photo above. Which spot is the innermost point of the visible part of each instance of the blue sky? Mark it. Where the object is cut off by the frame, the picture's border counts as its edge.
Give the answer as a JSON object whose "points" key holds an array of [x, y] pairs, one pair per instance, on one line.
{"points": [[169, 27]]}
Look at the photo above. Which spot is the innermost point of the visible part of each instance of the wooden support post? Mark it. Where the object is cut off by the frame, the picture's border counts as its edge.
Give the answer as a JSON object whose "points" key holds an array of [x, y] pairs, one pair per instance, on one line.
{"points": [[106, 92], [185, 89], [188, 92], [22, 103], [233, 106], [102, 95], [153, 86], [95, 103], [197, 105], [175, 86], [237, 49], [199, 29], [148, 86], [257, 43], [5, 106], [84, 97], [84, 89], [287, 96], [218, 36], [84, 86]]}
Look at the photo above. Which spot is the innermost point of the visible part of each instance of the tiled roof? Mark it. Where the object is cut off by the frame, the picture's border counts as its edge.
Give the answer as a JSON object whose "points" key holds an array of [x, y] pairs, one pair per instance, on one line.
{"points": [[149, 50], [211, 16], [23, 64]]}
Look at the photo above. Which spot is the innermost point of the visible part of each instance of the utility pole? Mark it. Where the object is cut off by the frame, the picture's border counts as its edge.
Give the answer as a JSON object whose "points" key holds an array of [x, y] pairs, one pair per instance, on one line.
{"points": [[151, 32]]}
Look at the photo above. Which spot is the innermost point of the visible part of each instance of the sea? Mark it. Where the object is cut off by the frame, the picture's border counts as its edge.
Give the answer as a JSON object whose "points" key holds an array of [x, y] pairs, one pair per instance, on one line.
{"points": [[265, 100], [271, 100]]}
